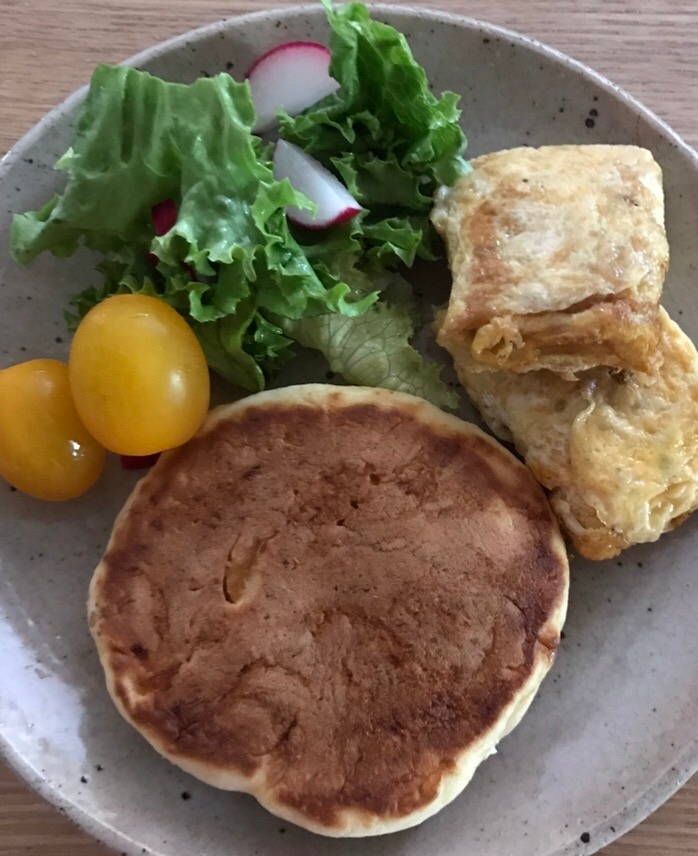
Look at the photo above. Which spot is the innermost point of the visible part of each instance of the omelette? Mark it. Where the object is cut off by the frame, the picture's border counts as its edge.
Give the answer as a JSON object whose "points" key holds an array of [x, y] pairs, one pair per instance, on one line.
{"points": [[617, 450], [558, 256], [336, 599]]}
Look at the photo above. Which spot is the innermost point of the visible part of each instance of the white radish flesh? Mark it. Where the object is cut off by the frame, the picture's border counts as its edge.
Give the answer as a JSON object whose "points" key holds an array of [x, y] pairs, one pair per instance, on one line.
{"points": [[294, 76], [334, 202]]}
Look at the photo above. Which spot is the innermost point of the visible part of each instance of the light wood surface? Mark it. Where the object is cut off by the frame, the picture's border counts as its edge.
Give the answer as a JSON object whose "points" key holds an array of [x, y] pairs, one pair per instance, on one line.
{"points": [[48, 48]]}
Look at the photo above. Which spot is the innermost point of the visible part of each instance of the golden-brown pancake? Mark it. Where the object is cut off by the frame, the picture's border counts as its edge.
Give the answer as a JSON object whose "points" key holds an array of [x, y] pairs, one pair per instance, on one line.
{"points": [[558, 257], [336, 599], [618, 451]]}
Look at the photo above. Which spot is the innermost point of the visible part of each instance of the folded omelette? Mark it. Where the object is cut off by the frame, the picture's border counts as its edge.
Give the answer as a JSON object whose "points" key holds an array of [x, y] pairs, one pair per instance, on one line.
{"points": [[558, 256], [618, 450]]}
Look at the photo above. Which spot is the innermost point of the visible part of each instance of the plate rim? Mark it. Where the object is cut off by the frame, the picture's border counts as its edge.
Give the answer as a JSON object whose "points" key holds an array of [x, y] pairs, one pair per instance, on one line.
{"points": [[686, 764]]}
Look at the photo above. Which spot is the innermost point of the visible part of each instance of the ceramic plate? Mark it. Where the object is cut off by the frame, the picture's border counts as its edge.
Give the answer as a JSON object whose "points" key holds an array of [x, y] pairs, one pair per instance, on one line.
{"points": [[613, 731]]}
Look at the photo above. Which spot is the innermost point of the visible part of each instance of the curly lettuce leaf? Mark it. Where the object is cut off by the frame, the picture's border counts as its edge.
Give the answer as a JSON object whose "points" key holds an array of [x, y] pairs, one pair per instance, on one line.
{"points": [[384, 134], [374, 350], [140, 140], [383, 112], [241, 346]]}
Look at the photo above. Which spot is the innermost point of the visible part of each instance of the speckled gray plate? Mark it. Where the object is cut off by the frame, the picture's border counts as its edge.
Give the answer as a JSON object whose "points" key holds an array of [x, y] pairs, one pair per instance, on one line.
{"points": [[613, 732]]}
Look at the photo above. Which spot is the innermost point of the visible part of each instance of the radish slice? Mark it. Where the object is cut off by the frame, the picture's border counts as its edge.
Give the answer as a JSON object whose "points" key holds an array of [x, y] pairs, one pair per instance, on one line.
{"points": [[294, 75], [164, 216], [334, 202]]}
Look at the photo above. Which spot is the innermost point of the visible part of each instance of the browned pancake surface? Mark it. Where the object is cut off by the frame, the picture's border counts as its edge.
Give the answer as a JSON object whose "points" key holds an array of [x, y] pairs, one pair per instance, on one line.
{"points": [[341, 595]]}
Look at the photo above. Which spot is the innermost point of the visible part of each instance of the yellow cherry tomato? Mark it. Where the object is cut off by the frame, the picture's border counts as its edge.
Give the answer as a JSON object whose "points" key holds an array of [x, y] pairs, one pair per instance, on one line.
{"points": [[138, 375], [45, 450]]}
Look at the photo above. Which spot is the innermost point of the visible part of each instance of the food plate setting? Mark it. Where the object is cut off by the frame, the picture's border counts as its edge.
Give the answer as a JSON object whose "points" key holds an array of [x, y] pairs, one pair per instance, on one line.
{"points": [[338, 615]]}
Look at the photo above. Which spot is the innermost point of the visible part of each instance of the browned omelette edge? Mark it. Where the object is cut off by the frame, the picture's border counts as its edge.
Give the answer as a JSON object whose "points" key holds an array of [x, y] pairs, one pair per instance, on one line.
{"points": [[618, 329]]}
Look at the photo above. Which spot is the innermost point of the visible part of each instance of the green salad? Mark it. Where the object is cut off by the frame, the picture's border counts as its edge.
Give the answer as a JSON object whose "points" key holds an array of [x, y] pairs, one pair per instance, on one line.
{"points": [[253, 286]]}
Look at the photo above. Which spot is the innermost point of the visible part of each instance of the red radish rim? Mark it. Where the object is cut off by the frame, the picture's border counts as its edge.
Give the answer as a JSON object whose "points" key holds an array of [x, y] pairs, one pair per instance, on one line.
{"points": [[345, 216], [138, 462], [284, 46], [282, 170], [164, 215]]}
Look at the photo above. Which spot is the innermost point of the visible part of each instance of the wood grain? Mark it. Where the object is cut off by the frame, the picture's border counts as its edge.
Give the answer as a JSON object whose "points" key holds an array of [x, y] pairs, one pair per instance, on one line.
{"points": [[48, 48]]}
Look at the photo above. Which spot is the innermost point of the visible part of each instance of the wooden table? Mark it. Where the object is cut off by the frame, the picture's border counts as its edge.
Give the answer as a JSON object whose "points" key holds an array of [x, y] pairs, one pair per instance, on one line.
{"points": [[48, 48]]}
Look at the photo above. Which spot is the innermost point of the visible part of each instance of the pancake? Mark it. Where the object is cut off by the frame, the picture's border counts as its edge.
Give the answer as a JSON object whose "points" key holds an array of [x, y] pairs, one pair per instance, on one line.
{"points": [[618, 451], [558, 256], [336, 599]]}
